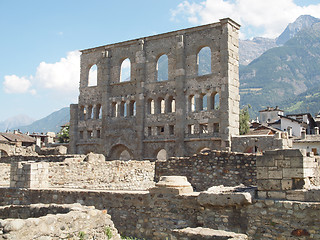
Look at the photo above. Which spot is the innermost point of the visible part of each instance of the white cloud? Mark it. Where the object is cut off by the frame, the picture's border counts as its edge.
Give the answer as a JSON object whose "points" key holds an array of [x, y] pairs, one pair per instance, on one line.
{"points": [[62, 76], [15, 84], [269, 17]]}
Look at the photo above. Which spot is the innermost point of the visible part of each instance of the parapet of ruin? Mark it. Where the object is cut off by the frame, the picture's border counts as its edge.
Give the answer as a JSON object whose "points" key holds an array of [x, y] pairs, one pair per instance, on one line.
{"points": [[148, 117]]}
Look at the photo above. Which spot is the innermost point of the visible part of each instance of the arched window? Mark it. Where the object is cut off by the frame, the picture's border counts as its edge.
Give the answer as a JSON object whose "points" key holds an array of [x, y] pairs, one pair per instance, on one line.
{"points": [[125, 72], [204, 106], [132, 108], [162, 155], [162, 68], [93, 76], [123, 109], [98, 112], [114, 109], [204, 61], [150, 108], [192, 104], [216, 101], [161, 105], [90, 112], [82, 113], [171, 104]]}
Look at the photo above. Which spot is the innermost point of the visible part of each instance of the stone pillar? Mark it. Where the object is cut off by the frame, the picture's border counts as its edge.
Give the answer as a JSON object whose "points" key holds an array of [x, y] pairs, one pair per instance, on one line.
{"points": [[180, 76], [229, 95], [140, 98], [29, 175]]}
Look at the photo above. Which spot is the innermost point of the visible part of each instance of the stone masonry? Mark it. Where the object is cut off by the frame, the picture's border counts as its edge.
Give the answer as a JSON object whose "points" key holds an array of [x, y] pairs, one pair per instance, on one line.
{"points": [[144, 118]]}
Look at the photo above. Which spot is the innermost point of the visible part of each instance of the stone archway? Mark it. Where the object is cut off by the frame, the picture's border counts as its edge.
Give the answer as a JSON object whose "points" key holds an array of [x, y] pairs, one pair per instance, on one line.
{"points": [[120, 152], [3, 153]]}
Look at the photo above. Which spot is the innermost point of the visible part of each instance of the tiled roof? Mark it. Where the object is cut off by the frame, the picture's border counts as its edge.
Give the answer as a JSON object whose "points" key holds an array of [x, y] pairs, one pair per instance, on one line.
{"points": [[11, 137]]}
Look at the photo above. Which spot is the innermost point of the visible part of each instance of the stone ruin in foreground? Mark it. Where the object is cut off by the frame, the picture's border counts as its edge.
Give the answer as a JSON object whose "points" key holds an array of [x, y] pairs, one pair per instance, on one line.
{"points": [[214, 194]]}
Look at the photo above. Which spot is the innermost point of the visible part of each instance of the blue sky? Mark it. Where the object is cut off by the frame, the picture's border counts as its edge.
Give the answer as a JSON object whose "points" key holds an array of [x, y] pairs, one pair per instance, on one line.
{"points": [[39, 65]]}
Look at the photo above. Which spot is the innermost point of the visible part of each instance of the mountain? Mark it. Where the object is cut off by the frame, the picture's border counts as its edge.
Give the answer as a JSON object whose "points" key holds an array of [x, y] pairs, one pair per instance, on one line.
{"points": [[14, 122], [50, 123], [302, 22], [282, 72], [251, 49], [308, 101]]}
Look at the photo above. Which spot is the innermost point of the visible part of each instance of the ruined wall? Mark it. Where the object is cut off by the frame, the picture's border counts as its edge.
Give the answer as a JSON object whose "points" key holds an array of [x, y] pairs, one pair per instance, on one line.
{"points": [[281, 172], [12, 149], [135, 119], [150, 216], [111, 175], [79, 171], [40, 158], [211, 168], [42, 221], [4, 174], [260, 143]]}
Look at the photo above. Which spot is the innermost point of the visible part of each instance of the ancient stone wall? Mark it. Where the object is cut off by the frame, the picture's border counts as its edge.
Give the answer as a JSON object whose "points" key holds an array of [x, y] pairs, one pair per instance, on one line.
{"points": [[142, 116], [281, 172], [29, 175], [211, 168], [4, 174], [111, 175], [154, 216], [88, 172], [40, 158], [259, 144], [9, 149]]}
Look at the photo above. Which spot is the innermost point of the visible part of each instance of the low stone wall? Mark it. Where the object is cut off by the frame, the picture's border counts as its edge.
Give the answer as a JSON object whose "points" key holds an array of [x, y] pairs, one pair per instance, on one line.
{"points": [[99, 174], [78, 171], [283, 220], [55, 222], [211, 168], [40, 158], [4, 174], [155, 216]]}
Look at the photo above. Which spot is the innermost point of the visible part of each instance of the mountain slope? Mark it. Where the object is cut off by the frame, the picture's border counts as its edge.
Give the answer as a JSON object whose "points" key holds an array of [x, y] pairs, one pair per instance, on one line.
{"points": [[50, 123], [251, 49], [283, 71], [14, 122], [308, 101]]}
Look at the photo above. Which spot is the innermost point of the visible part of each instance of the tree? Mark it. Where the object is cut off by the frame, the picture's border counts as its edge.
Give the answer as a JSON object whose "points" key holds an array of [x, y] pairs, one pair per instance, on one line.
{"points": [[63, 135], [244, 119]]}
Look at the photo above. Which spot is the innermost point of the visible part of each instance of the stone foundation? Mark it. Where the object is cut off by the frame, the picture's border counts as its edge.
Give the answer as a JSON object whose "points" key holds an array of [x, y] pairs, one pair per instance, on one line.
{"points": [[53, 222]]}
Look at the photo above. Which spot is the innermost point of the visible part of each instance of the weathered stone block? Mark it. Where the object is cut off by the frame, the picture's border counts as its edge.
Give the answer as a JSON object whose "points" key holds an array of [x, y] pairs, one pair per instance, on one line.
{"points": [[293, 173], [276, 194], [286, 184], [275, 174], [269, 184]]}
